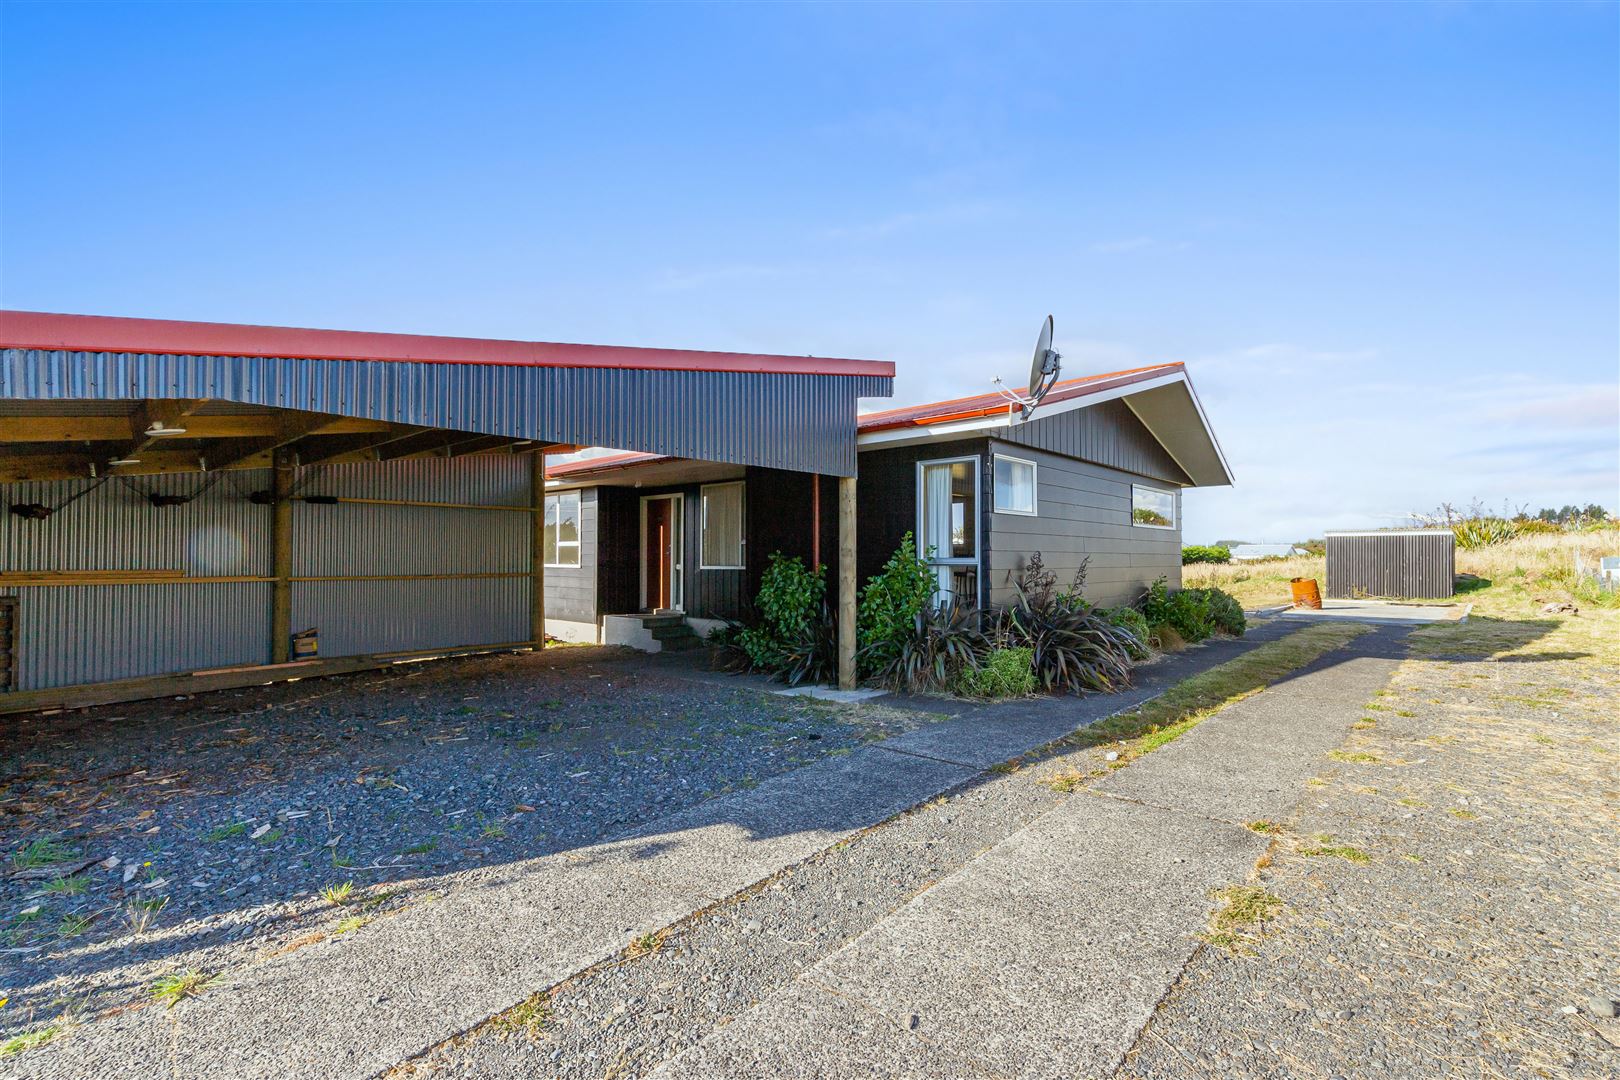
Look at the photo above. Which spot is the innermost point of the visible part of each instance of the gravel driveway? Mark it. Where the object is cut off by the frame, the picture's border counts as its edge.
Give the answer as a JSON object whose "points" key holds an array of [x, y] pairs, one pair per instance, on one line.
{"points": [[220, 819]]}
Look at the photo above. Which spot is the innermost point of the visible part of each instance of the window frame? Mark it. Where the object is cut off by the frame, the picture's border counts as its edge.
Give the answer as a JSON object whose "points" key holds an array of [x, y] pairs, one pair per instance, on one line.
{"points": [[560, 543], [742, 525], [978, 494], [1175, 513], [1034, 486]]}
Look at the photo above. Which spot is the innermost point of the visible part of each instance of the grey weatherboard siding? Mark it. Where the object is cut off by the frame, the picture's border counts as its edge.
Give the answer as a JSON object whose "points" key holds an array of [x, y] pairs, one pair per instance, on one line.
{"points": [[783, 421], [1083, 511]]}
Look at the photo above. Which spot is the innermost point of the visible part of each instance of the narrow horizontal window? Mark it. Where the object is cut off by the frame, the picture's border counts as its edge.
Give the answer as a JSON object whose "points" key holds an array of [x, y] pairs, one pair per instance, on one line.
{"points": [[1152, 508], [562, 529], [723, 527], [1015, 485]]}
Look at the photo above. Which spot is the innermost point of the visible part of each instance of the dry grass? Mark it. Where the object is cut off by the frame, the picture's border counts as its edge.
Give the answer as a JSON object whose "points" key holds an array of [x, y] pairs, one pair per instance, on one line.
{"points": [[1520, 570]]}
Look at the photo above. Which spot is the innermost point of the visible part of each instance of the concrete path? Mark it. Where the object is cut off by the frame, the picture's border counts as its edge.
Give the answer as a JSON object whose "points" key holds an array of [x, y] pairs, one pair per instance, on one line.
{"points": [[1047, 955], [359, 1003]]}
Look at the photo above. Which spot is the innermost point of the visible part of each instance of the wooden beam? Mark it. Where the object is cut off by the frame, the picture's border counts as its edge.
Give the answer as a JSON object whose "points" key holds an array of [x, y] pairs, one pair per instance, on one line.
{"points": [[846, 583], [227, 453], [815, 521], [281, 558], [164, 411], [537, 548], [82, 429], [325, 449]]}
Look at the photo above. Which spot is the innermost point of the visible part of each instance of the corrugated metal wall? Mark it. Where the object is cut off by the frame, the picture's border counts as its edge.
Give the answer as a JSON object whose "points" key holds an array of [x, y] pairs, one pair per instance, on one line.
{"points": [[1406, 564], [92, 633], [799, 422]]}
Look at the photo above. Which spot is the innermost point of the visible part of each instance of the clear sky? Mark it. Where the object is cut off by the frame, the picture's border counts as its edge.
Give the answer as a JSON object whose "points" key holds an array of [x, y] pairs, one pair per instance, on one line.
{"points": [[1384, 238]]}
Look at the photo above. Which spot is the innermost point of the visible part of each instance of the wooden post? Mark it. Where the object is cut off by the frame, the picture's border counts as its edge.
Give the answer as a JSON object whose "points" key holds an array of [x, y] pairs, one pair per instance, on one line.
{"points": [[537, 549], [846, 583], [281, 557], [815, 521]]}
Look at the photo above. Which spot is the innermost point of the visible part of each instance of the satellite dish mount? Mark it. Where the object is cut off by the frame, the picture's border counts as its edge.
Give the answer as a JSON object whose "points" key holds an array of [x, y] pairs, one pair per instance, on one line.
{"points": [[1043, 374]]}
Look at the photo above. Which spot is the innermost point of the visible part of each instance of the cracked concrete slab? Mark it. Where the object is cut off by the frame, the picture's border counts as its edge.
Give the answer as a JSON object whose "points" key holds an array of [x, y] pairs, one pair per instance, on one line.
{"points": [[1253, 759]]}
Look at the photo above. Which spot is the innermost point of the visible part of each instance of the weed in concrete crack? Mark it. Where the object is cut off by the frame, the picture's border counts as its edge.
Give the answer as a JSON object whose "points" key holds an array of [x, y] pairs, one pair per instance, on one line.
{"points": [[530, 1017], [1328, 847], [1264, 827], [1240, 917]]}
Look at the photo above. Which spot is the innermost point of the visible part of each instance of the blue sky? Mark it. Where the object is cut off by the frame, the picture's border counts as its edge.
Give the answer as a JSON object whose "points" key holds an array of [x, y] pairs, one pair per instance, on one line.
{"points": [[1384, 238]]}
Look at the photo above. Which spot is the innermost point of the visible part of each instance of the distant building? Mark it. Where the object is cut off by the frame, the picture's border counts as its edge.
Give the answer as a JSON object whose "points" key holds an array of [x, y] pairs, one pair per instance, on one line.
{"points": [[1254, 552]]}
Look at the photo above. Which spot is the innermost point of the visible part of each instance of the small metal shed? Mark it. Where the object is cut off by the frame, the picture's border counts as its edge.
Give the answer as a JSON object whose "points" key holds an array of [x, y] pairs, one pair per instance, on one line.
{"points": [[1401, 563]]}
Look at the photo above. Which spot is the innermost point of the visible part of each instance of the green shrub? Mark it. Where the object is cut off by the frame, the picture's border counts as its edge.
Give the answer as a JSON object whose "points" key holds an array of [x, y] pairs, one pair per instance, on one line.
{"points": [[1477, 532], [1205, 553], [890, 604], [1003, 673], [794, 639], [943, 643], [1186, 611], [1072, 647], [1225, 612], [1131, 620]]}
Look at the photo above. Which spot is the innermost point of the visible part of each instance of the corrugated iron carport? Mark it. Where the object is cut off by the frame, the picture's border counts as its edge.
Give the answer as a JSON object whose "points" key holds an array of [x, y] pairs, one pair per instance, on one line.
{"points": [[182, 496]]}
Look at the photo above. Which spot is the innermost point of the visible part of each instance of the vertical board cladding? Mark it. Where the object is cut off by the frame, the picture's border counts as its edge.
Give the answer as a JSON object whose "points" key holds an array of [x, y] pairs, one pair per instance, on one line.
{"points": [[779, 517], [886, 500], [1408, 564], [1083, 515], [428, 577], [709, 594], [1107, 433], [794, 421]]}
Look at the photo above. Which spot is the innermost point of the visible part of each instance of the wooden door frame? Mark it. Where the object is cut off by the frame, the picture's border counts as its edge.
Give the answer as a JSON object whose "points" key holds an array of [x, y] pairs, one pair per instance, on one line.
{"points": [[677, 560]]}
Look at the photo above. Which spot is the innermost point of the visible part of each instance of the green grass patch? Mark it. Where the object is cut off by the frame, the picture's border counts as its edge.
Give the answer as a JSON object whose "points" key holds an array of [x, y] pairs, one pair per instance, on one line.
{"points": [[1264, 827], [531, 1017], [67, 886], [172, 989], [1359, 757], [1241, 914], [225, 832], [351, 924], [41, 852], [1187, 704], [1326, 847], [338, 894], [29, 1040]]}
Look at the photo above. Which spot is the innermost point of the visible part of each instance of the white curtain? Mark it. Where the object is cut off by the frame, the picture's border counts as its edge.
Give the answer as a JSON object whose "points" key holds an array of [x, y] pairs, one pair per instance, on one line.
{"points": [[937, 522]]}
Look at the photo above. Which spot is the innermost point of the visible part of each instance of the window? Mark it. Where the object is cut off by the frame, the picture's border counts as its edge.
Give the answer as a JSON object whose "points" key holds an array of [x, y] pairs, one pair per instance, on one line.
{"points": [[948, 526], [1015, 485], [1152, 508], [723, 527], [562, 529]]}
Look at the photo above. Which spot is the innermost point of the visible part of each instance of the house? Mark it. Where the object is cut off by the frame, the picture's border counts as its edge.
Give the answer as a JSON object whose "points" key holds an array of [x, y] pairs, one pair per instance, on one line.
{"points": [[1256, 552], [1094, 476], [178, 499]]}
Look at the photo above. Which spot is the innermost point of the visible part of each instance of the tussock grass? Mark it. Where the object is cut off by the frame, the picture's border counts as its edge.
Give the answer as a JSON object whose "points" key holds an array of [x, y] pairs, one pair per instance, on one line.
{"points": [[174, 988], [1240, 917], [42, 852], [28, 1040], [1187, 704], [338, 894]]}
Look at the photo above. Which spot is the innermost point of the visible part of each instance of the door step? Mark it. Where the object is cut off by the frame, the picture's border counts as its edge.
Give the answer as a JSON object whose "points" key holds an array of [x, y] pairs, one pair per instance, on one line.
{"points": [[650, 633]]}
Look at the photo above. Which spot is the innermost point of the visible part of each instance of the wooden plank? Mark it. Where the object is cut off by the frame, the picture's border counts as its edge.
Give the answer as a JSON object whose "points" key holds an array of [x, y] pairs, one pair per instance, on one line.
{"points": [[281, 557], [846, 583], [537, 548], [80, 429]]}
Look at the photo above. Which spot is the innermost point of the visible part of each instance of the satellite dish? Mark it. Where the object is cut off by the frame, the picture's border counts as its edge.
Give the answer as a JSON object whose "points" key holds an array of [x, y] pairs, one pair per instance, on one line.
{"points": [[1043, 368], [1043, 374]]}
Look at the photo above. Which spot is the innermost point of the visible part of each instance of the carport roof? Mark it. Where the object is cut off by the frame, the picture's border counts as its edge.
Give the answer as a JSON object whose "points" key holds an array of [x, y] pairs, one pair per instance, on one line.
{"points": [[103, 333], [430, 395]]}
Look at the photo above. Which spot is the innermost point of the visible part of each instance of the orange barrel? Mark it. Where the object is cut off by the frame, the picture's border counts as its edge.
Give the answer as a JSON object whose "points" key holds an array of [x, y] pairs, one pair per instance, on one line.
{"points": [[1305, 592]]}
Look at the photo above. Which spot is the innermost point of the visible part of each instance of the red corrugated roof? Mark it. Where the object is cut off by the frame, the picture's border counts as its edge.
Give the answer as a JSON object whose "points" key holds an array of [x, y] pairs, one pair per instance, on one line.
{"points": [[100, 333], [609, 461], [970, 408]]}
